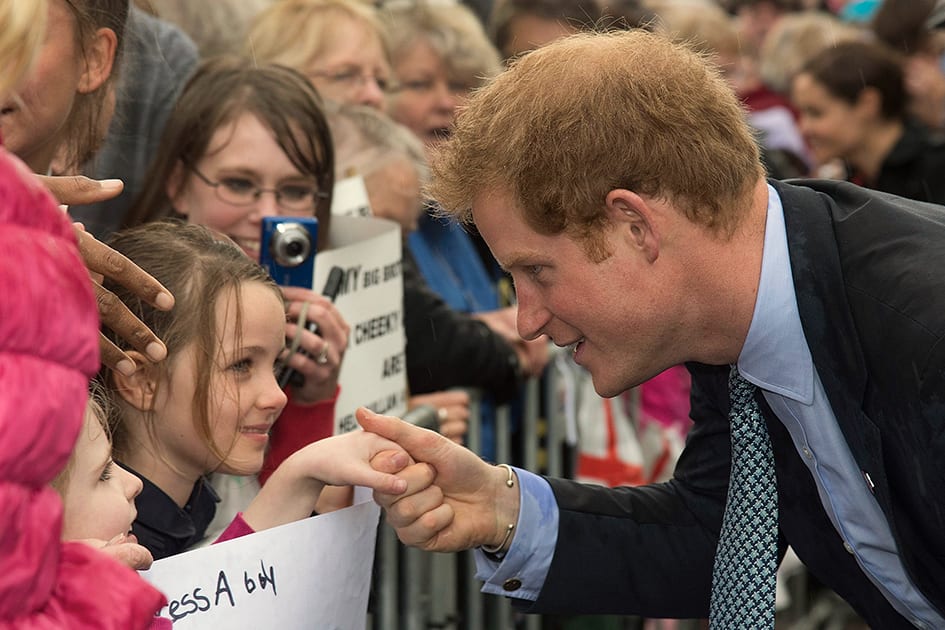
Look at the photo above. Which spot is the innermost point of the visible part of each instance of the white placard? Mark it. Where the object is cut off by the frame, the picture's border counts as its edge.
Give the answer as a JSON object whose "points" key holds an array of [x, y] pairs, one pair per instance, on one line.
{"points": [[349, 197], [374, 371], [314, 573]]}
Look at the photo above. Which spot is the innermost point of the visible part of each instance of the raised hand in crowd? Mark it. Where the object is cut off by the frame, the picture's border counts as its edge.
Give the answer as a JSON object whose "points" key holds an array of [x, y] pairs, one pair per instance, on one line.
{"points": [[104, 262], [325, 348]]}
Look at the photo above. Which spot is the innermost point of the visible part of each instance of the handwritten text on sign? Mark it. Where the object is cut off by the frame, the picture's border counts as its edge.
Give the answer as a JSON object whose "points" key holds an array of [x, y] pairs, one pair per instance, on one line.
{"points": [[314, 573]]}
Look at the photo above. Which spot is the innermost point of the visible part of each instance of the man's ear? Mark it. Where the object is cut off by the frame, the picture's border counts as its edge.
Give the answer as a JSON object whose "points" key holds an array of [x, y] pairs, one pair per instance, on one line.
{"points": [[635, 221], [139, 388], [99, 60]]}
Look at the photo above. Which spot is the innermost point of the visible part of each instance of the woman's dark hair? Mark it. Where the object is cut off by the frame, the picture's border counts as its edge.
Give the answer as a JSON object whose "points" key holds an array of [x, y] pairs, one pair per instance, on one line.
{"points": [[848, 68]]}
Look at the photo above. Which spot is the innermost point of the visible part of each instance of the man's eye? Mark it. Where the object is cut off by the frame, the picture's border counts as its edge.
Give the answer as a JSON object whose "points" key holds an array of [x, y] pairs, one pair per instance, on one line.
{"points": [[238, 185], [535, 270]]}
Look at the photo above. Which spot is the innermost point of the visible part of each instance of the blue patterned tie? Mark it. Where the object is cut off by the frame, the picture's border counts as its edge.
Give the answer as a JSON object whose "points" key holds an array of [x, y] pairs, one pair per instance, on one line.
{"points": [[743, 579]]}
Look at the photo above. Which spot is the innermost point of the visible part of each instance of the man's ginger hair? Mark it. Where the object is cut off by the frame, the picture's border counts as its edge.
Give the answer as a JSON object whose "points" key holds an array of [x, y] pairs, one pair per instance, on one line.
{"points": [[591, 113]]}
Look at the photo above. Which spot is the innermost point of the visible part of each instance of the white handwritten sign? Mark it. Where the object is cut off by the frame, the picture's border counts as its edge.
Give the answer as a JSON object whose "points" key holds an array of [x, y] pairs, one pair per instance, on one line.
{"points": [[314, 573], [374, 371]]}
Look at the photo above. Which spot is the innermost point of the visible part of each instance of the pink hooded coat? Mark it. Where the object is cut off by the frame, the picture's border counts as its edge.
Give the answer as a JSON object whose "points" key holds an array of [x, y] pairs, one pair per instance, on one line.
{"points": [[48, 351]]}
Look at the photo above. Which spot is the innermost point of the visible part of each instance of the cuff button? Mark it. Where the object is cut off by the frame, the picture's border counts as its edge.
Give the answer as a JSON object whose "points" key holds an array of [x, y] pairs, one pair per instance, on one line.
{"points": [[512, 584]]}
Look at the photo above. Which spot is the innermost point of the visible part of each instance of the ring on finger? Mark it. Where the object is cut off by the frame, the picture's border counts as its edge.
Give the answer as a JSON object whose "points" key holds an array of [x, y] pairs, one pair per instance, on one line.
{"points": [[442, 414], [322, 357]]}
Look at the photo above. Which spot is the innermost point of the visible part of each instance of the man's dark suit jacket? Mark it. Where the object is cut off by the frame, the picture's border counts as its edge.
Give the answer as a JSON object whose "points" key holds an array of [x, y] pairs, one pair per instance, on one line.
{"points": [[869, 273]]}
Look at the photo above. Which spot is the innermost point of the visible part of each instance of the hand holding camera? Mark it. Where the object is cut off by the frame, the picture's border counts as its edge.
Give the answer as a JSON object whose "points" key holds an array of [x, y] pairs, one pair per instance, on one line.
{"points": [[317, 334]]}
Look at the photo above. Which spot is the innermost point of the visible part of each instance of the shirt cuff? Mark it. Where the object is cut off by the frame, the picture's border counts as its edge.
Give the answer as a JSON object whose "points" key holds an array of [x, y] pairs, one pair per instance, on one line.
{"points": [[521, 573]]}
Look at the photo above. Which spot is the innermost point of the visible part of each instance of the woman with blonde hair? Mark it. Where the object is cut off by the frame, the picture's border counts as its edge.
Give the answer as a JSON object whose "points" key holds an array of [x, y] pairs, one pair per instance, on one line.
{"points": [[337, 44]]}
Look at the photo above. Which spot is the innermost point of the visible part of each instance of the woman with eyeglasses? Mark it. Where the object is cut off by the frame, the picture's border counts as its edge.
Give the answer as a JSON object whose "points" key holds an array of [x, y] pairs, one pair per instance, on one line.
{"points": [[244, 142], [337, 44], [439, 53]]}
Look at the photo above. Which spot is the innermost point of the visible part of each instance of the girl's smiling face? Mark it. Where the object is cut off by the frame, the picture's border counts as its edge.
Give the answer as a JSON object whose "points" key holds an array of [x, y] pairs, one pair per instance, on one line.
{"points": [[244, 398]]}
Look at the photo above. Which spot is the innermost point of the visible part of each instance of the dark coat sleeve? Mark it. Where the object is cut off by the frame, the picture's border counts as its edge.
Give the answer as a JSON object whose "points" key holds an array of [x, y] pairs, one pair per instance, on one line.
{"points": [[448, 348], [647, 550]]}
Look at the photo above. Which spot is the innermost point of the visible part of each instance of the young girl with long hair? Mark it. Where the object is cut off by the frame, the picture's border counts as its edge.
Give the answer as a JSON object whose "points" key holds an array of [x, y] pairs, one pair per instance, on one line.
{"points": [[209, 407]]}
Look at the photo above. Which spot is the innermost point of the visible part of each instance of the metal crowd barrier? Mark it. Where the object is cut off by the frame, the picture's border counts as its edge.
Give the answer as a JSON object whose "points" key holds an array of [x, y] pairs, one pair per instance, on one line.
{"points": [[418, 590]]}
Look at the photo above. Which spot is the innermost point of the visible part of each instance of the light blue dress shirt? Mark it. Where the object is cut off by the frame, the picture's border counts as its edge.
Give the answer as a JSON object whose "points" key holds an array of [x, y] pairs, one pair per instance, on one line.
{"points": [[791, 385]]}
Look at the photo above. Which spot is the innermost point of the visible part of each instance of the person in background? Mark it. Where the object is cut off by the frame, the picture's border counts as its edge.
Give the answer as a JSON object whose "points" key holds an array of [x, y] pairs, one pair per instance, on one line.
{"points": [[914, 28], [437, 333], [217, 28], [518, 26], [158, 58], [62, 109], [853, 105], [337, 44], [711, 31], [794, 40], [439, 53], [391, 161], [756, 18]]}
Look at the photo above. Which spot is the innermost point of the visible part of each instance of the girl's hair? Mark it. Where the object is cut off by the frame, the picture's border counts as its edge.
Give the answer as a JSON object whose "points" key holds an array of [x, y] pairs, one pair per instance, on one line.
{"points": [[102, 409], [88, 120], [197, 267], [24, 24], [219, 92]]}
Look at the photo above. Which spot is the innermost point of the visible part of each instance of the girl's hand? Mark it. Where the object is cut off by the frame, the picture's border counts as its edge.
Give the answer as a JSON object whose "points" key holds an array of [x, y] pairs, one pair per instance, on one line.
{"points": [[293, 490], [326, 347]]}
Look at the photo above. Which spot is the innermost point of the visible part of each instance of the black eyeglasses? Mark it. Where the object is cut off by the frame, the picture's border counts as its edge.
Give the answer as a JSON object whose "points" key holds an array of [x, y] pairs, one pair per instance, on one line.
{"points": [[241, 191]]}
